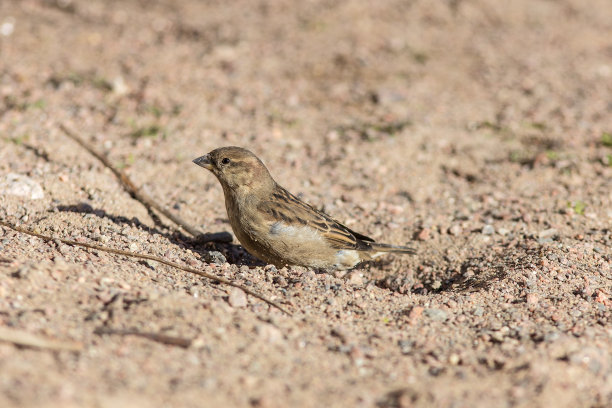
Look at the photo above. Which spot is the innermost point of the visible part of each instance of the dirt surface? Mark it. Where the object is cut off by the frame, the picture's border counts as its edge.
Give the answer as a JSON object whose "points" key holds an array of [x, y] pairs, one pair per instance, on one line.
{"points": [[480, 132]]}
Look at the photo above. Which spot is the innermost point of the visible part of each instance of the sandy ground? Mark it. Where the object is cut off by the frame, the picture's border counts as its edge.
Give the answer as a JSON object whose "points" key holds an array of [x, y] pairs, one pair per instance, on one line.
{"points": [[480, 132]]}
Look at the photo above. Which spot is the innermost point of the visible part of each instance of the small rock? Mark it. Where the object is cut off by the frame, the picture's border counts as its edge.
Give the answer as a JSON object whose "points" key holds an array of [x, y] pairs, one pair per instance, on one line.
{"points": [[405, 346], [395, 209], [237, 298], [455, 230], [488, 230], [22, 272], [437, 315], [495, 325], [423, 235], [551, 337], [356, 278], [532, 298], [497, 336], [193, 291], [19, 185], [194, 263], [415, 314], [547, 233], [595, 359], [119, 86], [8, 26], [602, 297], [270, 269], [503, 231], [280, 280], [478, 311], [215, 257], [331, 301], [103, 238]]}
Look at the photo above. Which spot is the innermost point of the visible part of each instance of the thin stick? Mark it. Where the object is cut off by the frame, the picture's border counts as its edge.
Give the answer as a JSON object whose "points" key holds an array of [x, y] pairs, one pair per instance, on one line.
{"points": [[151, 258], [144, 198], [160, 338], [25, 339]]}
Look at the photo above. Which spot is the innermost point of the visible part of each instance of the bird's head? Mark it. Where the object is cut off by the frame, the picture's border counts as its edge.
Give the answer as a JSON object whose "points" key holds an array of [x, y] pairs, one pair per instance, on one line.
{"points": [[236, 168]]}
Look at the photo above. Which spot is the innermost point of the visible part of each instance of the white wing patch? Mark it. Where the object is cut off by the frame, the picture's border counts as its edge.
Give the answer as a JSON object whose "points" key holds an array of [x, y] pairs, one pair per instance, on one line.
{"points": [[303, 233], [311, 241]]}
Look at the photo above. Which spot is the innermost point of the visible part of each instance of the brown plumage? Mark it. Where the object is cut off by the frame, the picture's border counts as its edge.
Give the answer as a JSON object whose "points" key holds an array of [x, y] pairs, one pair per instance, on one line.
{"points": [[279, 228]]}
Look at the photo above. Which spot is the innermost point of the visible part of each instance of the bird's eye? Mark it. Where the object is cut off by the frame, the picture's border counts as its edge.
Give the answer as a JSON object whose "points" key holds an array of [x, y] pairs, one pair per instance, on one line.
{"points": [[225, 160]]}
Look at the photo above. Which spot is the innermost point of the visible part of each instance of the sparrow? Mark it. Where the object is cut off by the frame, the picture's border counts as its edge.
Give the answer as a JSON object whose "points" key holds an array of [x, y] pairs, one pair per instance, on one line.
{"points": [[277, 227]]}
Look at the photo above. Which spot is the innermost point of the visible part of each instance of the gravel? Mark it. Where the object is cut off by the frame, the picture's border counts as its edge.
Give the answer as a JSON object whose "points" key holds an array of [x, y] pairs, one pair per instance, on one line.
{"points": [[460, 128]]}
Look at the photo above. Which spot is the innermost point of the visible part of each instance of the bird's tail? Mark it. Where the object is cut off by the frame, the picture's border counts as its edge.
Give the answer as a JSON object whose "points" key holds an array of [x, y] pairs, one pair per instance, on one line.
{"points": [[381, 249]]}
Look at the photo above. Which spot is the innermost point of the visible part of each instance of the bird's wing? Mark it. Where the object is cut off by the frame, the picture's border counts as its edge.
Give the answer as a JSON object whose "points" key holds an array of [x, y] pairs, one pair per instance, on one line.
{"points": [[286, 208]]}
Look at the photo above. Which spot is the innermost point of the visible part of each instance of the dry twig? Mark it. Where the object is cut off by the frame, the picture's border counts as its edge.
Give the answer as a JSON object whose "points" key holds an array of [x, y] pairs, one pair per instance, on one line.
{"points": [[158, 337], [144, 198], [151, 258], [25, 339]]}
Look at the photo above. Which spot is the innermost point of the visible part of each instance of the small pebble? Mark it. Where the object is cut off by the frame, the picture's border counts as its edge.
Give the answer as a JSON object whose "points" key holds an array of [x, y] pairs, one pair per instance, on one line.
{"points": [[405, 346], [237, 298], [102, 238], [356, 278], [454, 359], [423, 235], [488, 230], [497, 336], [19, 185], [415, 314], [193, 291], [532, 298], [455, 230], [438, 315], [215, 257], [280, 281], [21, 273], [503, 231], [547, 233]]}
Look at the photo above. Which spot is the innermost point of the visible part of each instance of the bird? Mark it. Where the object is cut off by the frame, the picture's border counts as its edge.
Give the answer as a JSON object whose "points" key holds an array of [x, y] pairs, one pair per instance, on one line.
{"points": [[277, 227]]}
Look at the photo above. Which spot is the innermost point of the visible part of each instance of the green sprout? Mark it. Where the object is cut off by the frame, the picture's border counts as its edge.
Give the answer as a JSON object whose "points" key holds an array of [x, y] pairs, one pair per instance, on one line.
{"points": [[578, 207]]}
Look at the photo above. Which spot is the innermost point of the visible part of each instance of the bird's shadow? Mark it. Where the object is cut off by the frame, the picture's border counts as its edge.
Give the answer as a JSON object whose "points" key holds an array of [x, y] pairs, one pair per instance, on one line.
{"points": [[481, 271], [465, 274], [437, 276], [232, 253]]}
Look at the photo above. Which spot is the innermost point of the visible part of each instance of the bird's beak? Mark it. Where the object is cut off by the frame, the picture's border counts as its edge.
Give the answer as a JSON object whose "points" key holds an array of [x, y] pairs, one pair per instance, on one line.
{"points": [[204, 161]]}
